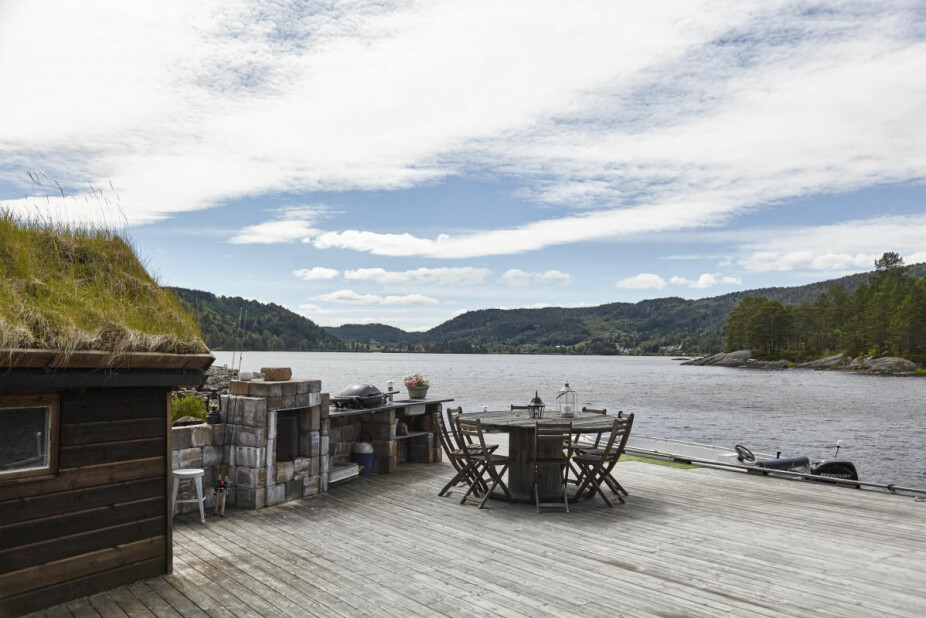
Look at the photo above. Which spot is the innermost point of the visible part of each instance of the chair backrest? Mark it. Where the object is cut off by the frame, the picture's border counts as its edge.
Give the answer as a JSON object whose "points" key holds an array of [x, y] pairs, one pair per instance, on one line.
{"points": [[516, 407], [470, 432], [445, 429], [595, 410], [544, 432], [620, 431]]}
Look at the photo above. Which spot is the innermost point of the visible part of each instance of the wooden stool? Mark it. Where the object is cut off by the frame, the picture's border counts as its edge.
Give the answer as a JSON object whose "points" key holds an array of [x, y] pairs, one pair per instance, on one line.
{"points": [[196, 475]]}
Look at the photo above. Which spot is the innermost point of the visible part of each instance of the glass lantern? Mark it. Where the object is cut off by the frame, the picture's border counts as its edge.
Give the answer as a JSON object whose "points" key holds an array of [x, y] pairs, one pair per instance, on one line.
{"points": [[535, 407], [566, 402]]}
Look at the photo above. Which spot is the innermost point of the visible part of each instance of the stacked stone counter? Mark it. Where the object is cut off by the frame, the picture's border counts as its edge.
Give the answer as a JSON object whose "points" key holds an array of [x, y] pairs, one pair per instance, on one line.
{"points": [[279, 437], [252, 410]]}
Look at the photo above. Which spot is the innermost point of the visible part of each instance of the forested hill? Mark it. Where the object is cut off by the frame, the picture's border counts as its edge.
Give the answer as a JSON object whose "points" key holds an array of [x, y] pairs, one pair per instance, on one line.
{"points": [[669, 325], [365, 333], [268, 327], [650, 326]]}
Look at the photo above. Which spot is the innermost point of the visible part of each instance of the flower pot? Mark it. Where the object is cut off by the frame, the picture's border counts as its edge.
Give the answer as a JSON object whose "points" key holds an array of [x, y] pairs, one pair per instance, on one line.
{"points": [[417, 392]]}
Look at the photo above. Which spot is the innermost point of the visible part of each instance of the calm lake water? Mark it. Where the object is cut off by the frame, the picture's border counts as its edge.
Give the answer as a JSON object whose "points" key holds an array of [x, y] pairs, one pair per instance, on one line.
{"points": [[880, 419]]}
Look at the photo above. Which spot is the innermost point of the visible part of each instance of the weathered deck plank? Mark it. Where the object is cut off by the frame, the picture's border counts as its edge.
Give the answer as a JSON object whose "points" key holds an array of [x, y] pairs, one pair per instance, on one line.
{"points": [[687, 542]]}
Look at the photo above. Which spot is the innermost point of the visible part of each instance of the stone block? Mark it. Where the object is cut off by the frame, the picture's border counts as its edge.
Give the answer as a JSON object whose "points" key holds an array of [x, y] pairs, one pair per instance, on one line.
{"points": [[220, 433], [324, 425], [275, 402], [295, 489], [250, 498], [325, 403], [310, 485], [181, 438], [302, 387], [384, 448], [174, 460], [190, 458], [251, 436], [276, 494], [315, 386], [276, 374], [288, 402], [252, 412], [250, 477], [315, 399], [272, 425], [302, 401], [250, 456], [213, 456], [271, 451], [324, 446], [290, 388], [237, 387], [276, 389], [315, 419], [285, 472], [380, 418], [382, 433], [300, 464], [385, 464], [201, 435], [259, 389]]}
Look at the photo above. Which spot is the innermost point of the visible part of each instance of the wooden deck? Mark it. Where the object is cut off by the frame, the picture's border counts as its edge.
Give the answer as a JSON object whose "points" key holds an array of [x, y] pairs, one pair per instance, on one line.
{"points": [[687, 543]]}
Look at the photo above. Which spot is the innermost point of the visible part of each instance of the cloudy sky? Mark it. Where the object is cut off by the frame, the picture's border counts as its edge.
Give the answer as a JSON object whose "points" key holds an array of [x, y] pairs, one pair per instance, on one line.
{"points": [[403, 162]]}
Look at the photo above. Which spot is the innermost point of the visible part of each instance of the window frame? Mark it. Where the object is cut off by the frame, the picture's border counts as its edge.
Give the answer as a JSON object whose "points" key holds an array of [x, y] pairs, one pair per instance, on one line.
{"points": [[50, 402]]}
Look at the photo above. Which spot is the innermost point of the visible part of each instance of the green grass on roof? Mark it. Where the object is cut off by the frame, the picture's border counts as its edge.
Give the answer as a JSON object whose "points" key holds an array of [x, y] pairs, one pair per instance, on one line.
{"points": [[70, 289]]}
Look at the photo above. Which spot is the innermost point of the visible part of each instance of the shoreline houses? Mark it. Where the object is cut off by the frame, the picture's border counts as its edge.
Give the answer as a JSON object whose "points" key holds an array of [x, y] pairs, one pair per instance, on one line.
{"points": [[90, 350]]}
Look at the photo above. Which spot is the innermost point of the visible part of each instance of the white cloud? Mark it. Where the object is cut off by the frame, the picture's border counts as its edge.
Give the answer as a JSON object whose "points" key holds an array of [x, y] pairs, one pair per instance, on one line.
{"points": [[351, 297], [706, 280], [851, 245], [315, 273], [516, 277], [673, 115], [292, 224], [455, 277], [643, 281], [553, 276]]}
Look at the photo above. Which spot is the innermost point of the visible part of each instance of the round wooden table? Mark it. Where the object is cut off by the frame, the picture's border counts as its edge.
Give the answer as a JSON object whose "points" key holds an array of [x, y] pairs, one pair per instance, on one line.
{"points": [[520, 429]]}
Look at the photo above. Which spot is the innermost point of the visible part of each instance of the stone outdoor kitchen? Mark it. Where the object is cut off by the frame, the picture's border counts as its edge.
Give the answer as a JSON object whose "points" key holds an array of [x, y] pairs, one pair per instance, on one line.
{"points": [[281, 439]]}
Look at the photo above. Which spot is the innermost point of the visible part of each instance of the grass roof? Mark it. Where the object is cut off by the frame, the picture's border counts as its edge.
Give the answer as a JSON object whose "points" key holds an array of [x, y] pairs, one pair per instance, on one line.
{"points": [[83, 289]]}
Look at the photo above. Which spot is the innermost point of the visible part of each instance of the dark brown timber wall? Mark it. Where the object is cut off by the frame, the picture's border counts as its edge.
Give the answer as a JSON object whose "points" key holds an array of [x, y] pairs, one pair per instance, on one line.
{"points": [[102, 520]]}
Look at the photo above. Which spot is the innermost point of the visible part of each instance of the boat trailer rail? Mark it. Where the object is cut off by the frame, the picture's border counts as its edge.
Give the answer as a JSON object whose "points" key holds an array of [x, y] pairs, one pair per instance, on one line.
{"points": [[918, 494]]}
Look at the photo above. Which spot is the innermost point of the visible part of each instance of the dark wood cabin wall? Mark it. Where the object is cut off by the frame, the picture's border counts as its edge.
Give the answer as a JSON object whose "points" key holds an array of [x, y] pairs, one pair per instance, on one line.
{"points": [[102, 520]]}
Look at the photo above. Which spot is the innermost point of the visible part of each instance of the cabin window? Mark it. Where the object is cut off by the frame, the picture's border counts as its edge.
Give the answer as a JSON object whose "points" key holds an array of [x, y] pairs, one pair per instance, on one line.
{"points": [[28, 437]]}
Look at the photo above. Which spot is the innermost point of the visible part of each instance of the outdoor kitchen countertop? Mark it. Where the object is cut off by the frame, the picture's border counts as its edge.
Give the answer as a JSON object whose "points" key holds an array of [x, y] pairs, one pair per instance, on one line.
{"points": [[393, 405]]}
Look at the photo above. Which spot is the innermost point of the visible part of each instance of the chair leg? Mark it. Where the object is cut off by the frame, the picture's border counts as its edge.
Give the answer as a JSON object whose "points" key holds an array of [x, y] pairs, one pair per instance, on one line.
{"points": [[472, 487]]}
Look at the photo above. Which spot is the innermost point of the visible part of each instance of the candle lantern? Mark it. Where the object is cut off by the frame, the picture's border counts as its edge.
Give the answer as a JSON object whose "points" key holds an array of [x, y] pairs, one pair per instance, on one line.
{"points": [[566, 401], [535, 407]]}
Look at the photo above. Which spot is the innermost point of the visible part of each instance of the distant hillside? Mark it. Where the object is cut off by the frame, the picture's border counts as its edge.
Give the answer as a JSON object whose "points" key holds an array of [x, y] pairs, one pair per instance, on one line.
{"points": [[692, 326], [269, 326], [366, 333]]}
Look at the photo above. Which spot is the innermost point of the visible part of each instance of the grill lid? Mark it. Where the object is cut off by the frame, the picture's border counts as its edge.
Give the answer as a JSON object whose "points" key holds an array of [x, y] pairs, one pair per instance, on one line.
{"points": [[360, 390]]}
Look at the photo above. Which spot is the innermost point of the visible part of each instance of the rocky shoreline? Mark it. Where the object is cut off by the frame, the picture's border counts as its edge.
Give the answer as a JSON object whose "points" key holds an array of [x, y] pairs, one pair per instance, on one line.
{"points": [[885, 365]]}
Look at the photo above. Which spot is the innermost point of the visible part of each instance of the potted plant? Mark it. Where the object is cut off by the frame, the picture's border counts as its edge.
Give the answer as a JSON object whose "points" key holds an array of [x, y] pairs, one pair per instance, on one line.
{"points": [[416, 385]]}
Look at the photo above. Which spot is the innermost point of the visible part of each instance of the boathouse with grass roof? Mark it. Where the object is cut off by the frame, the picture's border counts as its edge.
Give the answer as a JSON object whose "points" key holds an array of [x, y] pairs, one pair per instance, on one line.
{"points": [[90, 350]]}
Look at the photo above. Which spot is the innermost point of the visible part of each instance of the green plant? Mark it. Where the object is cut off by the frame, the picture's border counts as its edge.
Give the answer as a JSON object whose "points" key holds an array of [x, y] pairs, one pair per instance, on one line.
{"points": [[188, 405], [921, 372]]}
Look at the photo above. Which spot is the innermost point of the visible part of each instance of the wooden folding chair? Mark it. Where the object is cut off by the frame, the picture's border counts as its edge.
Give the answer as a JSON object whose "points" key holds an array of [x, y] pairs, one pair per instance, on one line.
{"points": [[481, 464], [451, 444], [594, 447], [552, 445], [595, 468]]}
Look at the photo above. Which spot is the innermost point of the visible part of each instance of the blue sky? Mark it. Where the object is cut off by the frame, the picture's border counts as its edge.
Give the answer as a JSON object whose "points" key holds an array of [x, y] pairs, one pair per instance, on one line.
{"points": [[403, 162]]}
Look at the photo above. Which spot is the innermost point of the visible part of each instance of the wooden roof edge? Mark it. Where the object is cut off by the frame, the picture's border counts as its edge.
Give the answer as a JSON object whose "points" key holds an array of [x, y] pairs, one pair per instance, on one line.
{"points": [[55, 359]]}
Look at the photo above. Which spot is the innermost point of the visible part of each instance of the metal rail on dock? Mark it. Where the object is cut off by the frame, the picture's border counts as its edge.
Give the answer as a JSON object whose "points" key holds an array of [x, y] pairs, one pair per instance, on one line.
{"points": [[919, 494]]}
